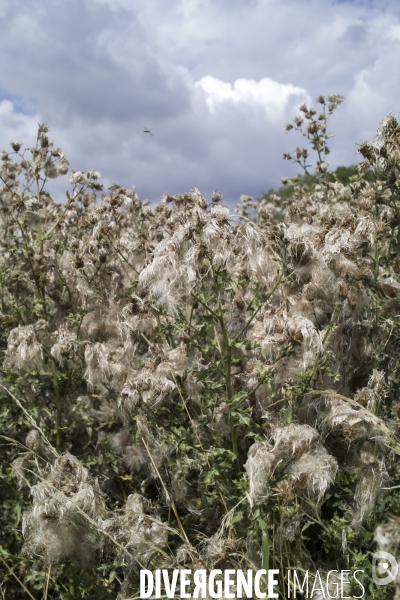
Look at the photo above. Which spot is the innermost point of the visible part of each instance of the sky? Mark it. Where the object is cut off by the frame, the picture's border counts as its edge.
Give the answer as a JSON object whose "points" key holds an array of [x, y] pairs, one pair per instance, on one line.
{"points": [[215, 81]]}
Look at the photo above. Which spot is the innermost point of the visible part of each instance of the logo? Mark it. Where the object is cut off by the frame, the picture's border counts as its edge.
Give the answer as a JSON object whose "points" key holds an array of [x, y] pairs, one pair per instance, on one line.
{"points": [[384, 568]]}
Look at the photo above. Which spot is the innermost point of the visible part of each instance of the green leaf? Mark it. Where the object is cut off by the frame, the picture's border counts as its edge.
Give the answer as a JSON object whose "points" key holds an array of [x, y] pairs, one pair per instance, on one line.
{"points": [[112, 576], [237, 398], [265, 549]]}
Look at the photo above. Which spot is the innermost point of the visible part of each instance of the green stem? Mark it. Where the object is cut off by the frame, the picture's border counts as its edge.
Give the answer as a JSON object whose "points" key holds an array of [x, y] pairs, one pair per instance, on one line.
{"points": [[196, 297], [117, 251], [255, 313], [189, 327], [59, 414]]}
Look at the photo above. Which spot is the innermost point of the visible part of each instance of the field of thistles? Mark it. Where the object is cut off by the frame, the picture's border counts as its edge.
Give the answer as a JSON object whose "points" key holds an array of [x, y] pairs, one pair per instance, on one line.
{"points": [[182, 387]]}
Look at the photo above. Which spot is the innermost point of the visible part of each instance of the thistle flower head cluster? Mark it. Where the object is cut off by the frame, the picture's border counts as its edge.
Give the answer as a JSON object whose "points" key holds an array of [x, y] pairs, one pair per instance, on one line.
{"points": [[297, 451], [55, 528], [218, 377]]}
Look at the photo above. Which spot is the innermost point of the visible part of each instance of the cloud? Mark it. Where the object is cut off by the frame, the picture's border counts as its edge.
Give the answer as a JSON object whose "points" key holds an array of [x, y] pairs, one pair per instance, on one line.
{"points": [[215, 81], [271, 95], [16, 125]]}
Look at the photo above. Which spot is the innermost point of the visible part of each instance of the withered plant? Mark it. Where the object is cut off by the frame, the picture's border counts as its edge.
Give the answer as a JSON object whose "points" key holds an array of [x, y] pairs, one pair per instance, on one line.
{"points": [[184, 387]]}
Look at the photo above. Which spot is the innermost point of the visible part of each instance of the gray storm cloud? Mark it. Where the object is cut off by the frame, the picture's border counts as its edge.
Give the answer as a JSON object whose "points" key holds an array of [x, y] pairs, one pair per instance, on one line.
{"points": [[216, 82]]}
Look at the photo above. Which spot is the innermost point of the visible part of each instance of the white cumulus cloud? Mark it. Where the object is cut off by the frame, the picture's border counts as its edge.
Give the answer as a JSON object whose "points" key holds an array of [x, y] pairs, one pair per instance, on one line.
{"points": [[271, 95], [16, 125], [216, 82]]}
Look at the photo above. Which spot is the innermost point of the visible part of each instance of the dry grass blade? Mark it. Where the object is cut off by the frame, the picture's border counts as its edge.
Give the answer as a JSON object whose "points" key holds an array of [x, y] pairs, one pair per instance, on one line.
{"points": [[46, 589], [169, 497], [199, 442], [32, 421], [17, 578], [110, 537]]}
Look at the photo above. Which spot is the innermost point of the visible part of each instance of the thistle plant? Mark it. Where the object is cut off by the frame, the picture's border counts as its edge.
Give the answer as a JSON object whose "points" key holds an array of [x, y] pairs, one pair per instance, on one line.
{"points": [[183, 387]]}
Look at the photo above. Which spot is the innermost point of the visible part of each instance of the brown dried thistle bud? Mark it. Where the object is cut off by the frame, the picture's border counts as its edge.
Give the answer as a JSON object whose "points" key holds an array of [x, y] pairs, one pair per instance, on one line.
{"points": [[352, 299], [116, 201], [91, 174], [79, 262], [16, 145], [216, 197], [363, 273], [288, 127], [44, 141], [42, 129], [103, 256], [343, 290], [309, 291], [336, 98], [322, 167], [363, 166], [285, 490], [367, 150], [321, 99], [380, 228], [240, 303], [63, 167], [287, 156]]}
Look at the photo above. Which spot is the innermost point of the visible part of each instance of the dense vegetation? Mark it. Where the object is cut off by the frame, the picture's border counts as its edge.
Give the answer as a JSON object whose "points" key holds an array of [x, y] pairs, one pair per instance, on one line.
{"points": [[183, 389], [344, 175]]}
